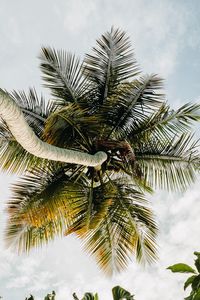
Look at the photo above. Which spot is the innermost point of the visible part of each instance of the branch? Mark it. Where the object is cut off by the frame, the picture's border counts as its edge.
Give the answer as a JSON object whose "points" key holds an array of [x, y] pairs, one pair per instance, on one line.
{"points": [[24, 135]]}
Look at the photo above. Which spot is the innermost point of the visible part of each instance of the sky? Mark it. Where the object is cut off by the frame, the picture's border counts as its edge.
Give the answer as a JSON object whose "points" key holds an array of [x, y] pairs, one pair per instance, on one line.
{"points": [[165, 35]]}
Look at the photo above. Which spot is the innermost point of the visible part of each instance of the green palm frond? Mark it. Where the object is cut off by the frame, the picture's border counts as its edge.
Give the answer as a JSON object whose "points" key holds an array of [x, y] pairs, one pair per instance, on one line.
{"points": [[172, 165], [128, 228], [14, 159], [71, 126], [33, 191], [62, 73], [23, 236], [45, 200], [112, 62], [35, 109], [91, 211], [48, 192], [165, 123], [132, 103], [33, 105]]}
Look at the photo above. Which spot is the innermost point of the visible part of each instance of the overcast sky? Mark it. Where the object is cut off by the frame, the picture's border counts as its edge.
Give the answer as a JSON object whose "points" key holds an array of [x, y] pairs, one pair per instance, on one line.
{"points": [[166, 39]]}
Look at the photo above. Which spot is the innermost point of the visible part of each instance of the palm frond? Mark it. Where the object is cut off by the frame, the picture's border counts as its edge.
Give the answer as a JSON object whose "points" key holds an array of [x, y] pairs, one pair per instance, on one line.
{"points": [[23, 236], [172, 165], [36, 110], [62, 74], [48, 192], [128, 228], [132, 102], [44, 204], [71, 125], [165, 123], [93, 211], [32, 104], [14, 159], [112, 62]]}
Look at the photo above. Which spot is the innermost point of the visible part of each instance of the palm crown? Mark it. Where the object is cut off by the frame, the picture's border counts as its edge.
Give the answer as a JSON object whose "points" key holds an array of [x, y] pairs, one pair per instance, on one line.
{"points": [[102, 104]]}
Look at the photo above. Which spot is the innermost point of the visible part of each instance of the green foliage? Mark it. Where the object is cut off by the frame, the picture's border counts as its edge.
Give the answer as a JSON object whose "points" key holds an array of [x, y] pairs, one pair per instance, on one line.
{"points": [[90, 296], [118, 293], [181, 268], [194, 280], [49, 296], [100, 104]]}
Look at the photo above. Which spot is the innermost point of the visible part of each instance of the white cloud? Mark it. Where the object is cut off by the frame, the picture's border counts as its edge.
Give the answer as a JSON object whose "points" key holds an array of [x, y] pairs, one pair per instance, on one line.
{"points": [[77, 14], [19, 282]]}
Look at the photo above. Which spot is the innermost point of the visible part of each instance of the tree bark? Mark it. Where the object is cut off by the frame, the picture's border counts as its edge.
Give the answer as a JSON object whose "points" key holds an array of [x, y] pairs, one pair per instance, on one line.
{"points": [[25, 136]]}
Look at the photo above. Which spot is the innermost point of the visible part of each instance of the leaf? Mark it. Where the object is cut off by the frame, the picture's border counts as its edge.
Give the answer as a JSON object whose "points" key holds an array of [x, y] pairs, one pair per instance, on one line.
{"points": [[90, 296], [131, 103], [119, 293], [196, 283], [165, 122], [111, 63], [71, 126], [169, 165], [22, 236], [197, 261], [189, 297], [92, 210], [127, 229], [35, 109], [62, 73], [181, 268], [14, 159], [44, 192], [189, 281], [196, 295]]}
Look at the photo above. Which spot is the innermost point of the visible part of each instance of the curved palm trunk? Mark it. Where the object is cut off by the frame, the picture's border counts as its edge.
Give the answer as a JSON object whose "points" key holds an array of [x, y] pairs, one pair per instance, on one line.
{"points": [[13, 116]]}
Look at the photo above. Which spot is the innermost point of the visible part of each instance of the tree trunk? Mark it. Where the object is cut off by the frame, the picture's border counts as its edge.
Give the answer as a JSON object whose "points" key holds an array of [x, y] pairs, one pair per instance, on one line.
{"points": [[24, 135]]}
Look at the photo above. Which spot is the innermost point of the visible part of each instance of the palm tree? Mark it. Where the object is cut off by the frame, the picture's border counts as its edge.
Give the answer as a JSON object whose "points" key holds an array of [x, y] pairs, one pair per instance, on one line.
{"points": [[88, 157]]}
